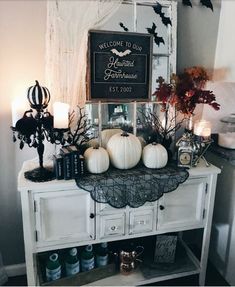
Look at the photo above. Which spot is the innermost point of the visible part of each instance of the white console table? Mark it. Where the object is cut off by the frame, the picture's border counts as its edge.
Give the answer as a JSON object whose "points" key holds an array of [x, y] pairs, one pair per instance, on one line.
{"points": [[57, 215]]}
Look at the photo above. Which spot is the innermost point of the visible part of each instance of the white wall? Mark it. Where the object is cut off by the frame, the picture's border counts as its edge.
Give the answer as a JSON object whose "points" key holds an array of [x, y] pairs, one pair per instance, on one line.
{"points": [[22, 33], [197, 35]]}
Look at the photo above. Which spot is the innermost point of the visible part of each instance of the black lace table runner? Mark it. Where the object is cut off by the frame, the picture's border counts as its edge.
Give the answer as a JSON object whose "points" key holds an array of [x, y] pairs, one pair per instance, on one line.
{"points": [[132, 187]]}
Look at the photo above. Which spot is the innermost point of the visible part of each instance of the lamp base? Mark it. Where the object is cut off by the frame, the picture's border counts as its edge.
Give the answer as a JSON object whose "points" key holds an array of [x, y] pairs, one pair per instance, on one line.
{"points": [[40, 174]]}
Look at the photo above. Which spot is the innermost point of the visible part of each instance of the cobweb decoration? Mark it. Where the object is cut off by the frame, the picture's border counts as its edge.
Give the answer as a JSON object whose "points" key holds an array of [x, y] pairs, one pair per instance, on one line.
{"points": [[133, 187]]}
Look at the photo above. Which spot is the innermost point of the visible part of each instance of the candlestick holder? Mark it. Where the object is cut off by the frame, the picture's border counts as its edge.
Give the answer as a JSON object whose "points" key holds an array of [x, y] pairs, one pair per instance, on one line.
{"points": [[35, 127], [200, 146]]}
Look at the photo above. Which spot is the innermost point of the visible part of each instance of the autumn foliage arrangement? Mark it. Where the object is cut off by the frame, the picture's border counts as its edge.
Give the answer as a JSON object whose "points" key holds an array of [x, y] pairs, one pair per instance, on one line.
{"points": [[185, 91]]}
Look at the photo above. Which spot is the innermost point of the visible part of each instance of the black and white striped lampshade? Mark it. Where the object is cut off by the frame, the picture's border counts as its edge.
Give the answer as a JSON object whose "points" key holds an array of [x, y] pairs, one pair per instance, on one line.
{"points": [[38, 96]]}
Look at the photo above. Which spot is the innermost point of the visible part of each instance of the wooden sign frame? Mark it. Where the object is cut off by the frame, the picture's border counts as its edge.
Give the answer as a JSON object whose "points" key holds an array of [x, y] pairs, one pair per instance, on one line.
{"points": [[120, 66]]}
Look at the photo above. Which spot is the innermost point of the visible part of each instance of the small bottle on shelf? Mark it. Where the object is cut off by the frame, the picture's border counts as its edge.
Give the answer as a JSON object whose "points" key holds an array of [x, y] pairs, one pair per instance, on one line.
{"points": [[53, 268], [72, 263], [102, 254], [87, 258]]}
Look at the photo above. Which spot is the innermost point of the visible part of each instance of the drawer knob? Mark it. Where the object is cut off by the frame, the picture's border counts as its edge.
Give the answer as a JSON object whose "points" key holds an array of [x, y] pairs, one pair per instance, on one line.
{"points": [[92, 215], [161, 207], [113, 228]]}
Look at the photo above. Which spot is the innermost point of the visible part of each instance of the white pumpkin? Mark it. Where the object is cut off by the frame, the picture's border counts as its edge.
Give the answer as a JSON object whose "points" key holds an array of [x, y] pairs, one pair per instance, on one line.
{"points": [[142, 141], [96, 159], [107, 134], [124, 150], [154, 156], [93, 142]]}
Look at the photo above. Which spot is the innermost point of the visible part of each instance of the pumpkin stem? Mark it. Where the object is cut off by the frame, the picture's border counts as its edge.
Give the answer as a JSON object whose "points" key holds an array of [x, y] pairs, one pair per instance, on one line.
{"points": [[124, 134], [37, 83], [154, 143]]}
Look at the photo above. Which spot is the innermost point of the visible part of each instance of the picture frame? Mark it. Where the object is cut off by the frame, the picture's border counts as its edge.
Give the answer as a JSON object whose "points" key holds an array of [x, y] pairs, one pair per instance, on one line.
{"points": [[165, 249], [120, 66]]}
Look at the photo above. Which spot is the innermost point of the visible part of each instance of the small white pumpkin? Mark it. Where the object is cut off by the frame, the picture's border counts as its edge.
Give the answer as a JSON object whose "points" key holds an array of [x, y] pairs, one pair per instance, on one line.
{"points": [[96, 159], [107, 134], [154, 156], [124, 150], [93, 142]]}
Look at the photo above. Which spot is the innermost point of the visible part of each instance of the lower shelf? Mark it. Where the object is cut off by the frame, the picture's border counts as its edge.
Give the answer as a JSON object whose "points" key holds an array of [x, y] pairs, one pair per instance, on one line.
{"points": [[186, 264]]}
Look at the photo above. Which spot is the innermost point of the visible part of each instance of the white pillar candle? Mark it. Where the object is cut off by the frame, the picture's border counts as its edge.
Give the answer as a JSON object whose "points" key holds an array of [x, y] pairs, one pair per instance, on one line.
{"points": [[18, 107], [61, 115], [100, 122], [202, 128], [134, 118]]}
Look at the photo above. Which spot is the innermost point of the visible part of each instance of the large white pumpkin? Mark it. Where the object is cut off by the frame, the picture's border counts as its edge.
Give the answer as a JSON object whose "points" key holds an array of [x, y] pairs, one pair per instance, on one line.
{"points": [[154, 156], [96, 159], [107, 134], [124, 150]]}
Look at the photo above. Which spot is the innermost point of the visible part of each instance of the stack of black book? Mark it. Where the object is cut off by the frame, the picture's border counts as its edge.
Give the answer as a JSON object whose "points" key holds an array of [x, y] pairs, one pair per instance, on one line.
{"points": [[69, 163]]}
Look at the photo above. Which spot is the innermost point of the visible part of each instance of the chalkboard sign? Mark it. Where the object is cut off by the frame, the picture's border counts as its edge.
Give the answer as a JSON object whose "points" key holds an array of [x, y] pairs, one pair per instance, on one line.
{"points": [[165, 249], [120, 66]]}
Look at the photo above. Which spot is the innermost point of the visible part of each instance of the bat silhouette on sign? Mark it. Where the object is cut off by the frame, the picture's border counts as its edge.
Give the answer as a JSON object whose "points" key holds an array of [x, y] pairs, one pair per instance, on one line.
{"points": [[153, 32], [121, 54], [207, 3], [187, 3], [158, 10]]}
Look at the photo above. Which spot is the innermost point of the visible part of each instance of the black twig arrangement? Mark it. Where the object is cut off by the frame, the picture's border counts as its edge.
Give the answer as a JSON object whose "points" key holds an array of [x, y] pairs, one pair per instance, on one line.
{"points": [[80, 133], [153, 129]]}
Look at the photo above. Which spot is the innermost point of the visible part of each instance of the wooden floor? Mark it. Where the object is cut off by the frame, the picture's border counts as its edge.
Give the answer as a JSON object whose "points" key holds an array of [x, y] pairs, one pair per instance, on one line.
{"points": [[213, 278]]}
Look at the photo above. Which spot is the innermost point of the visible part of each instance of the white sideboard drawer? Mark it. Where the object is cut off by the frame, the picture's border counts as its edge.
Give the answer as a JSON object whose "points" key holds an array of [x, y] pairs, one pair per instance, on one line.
{"points": [[141, 221], [112, 225]]}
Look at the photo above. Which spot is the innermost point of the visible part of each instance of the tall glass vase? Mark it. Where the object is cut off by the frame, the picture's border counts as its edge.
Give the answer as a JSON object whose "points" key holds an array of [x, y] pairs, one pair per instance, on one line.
{"points": [[189, 123]]}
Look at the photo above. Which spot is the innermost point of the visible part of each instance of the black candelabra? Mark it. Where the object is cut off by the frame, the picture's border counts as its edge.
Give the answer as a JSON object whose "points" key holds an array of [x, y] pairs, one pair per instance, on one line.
{"points": [[34, 127]]}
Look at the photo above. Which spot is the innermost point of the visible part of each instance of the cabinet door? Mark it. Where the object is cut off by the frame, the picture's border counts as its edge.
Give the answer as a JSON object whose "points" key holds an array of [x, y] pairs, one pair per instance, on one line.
{"points": [[64, 215], [184, 207]]}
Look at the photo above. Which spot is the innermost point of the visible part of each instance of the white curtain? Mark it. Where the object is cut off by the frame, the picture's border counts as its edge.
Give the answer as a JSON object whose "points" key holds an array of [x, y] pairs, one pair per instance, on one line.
{"points": [[68, 23], [225, 49]]}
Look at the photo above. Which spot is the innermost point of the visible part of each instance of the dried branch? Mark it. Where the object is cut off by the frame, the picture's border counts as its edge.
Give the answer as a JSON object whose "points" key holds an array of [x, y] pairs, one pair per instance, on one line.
{"points": [[81, 133], [153, 129]]}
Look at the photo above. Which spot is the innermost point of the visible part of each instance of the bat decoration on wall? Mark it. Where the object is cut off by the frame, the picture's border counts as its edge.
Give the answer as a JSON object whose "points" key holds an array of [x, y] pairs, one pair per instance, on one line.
{"points": [[121, 54], [207, 3], [153, 32], [158, 10], [187, 3], [123, 26]]}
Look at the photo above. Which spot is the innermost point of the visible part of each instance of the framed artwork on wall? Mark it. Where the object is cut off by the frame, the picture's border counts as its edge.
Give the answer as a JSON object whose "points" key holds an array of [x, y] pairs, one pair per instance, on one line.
{"points": [[120, 66]]}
